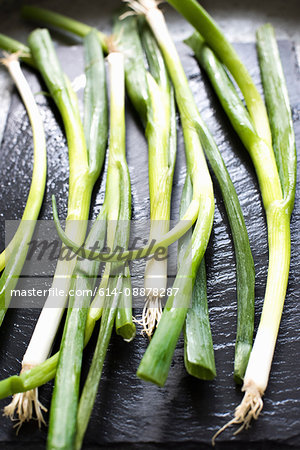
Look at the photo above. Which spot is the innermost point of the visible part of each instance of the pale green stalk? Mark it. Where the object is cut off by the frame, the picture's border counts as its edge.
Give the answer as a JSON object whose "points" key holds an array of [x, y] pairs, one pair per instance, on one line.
{"points": [[17, 249]]}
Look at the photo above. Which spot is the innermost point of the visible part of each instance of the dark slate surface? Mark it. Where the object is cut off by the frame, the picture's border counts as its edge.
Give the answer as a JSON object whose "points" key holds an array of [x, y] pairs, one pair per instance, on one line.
{"points": [[129, 413]]}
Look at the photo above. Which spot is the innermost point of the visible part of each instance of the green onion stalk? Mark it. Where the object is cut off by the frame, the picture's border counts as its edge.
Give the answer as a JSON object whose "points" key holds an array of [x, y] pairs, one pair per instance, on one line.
{"points": [[65, 395], [161, 136], [276, 172], [152, 95], [15, 254], [85, 166], [13, 46], [199, 357], [46, 17]]}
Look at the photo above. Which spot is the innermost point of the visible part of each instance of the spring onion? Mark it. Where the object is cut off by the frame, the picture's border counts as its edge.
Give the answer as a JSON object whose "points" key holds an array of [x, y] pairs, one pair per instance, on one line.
{"points": [[11, 45], [278, 217], [17, 249], [152, 96], [80, 188], [257, 140], [161, 135]]}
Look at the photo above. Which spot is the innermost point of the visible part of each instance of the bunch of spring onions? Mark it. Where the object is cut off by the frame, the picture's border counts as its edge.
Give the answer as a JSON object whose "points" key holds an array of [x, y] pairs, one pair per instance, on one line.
{"points": [[136, 94], [86, 271], [85, 166], [14, 255], [152, 96], [194, 200], [191, 118], [276, 172], [137, 90], [95, 115], [39, 376], [131, 46], [24, 381]]}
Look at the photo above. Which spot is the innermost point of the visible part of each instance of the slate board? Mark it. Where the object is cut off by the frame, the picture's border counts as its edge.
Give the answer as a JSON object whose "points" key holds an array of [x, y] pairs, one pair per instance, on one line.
{"points": [[130, 413]]}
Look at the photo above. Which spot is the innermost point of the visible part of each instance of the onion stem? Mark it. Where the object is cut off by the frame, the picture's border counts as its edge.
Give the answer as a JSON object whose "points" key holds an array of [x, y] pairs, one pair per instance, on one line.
{"points": [[80, 189], [16, 251], [161, 136], [198, 345], [244, 261], [47, 17], [12, 46]]}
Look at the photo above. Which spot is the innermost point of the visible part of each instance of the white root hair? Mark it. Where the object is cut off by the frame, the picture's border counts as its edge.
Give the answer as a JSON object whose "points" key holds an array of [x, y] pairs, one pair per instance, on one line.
{"points": [[151, 315], [250, 408], [24, 405]]}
